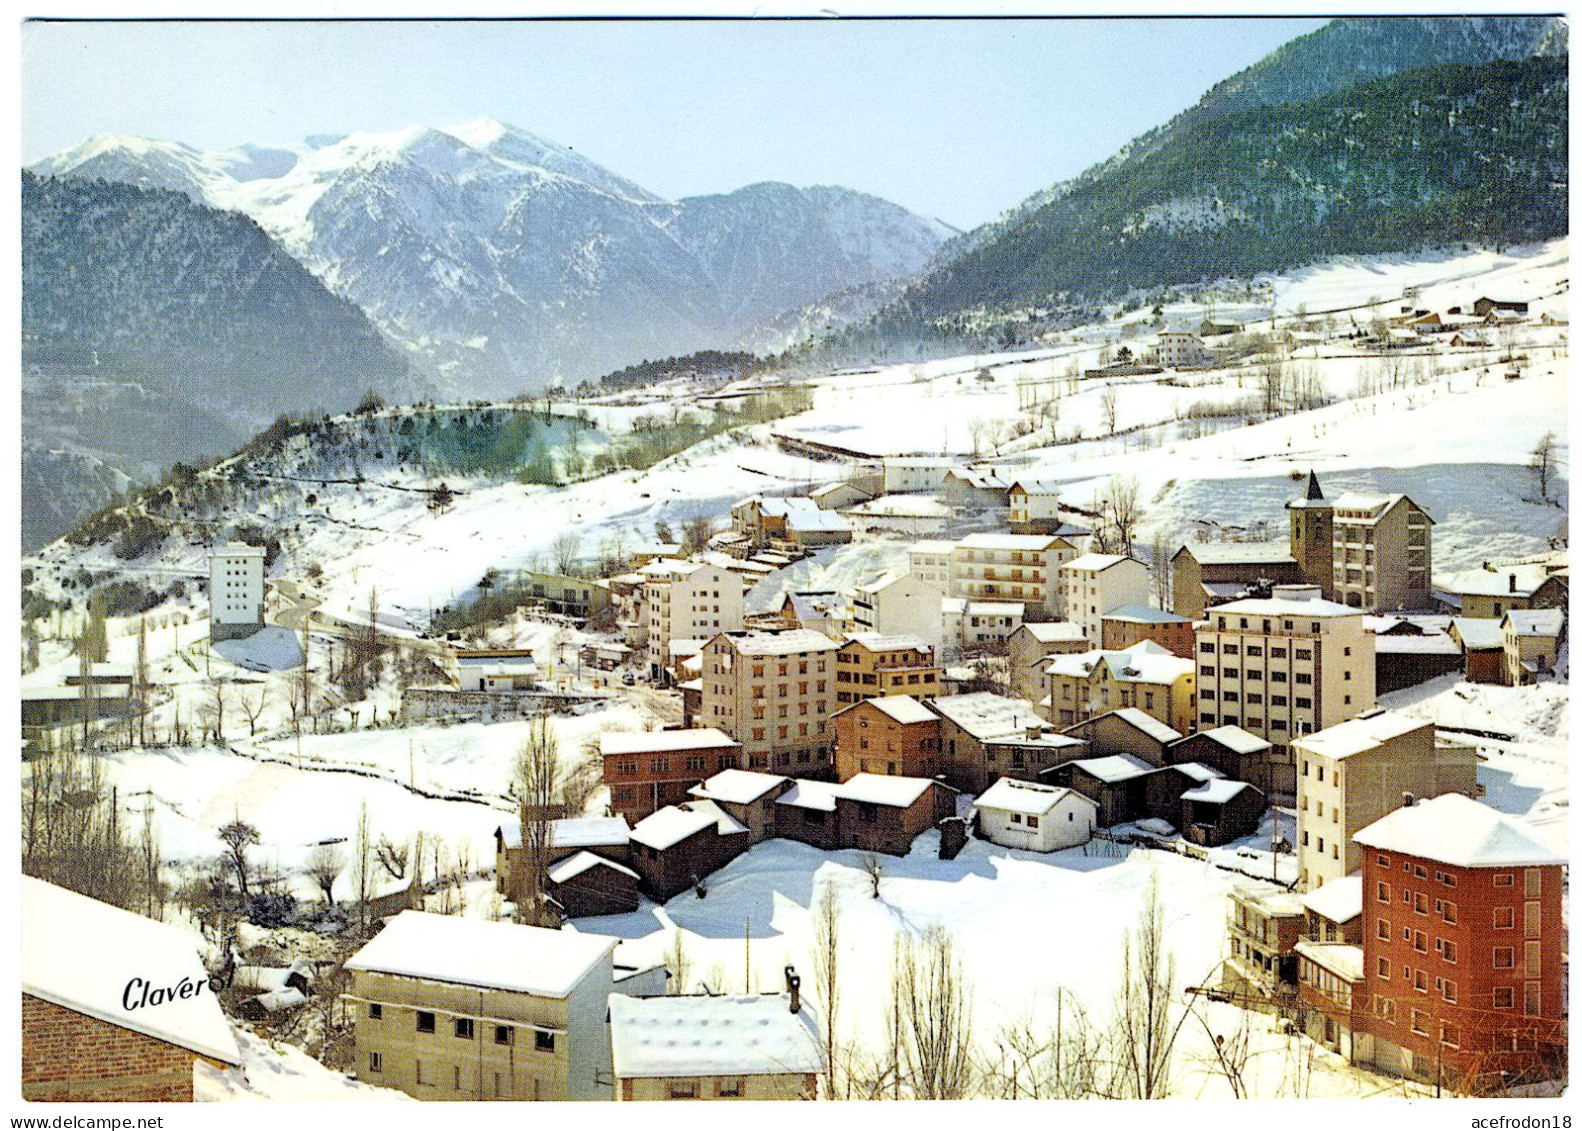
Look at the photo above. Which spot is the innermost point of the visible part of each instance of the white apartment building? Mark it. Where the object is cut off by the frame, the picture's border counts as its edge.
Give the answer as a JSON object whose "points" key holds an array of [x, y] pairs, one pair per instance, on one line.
{"points": [[236, 591], [1033, 501], [1177, 348], [1093, 584], [973, 625], [929, 562], [1283, 666], [1011, 567], [773, 692], [687, 601], [899, 604], [915, 473]]}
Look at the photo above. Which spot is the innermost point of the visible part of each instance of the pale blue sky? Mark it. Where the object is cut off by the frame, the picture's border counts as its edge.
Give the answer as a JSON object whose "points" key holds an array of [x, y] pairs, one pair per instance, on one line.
{"points": [[958, 119]]}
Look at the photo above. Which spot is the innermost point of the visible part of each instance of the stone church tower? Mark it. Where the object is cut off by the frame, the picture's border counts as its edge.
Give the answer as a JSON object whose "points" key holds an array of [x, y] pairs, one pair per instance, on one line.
{"points": [[1312, 537]]}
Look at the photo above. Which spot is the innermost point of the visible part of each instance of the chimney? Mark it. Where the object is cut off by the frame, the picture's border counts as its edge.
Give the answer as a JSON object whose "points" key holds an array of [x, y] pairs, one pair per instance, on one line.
{"points": [[794, 988], [1408, 800], [1513, 583]]}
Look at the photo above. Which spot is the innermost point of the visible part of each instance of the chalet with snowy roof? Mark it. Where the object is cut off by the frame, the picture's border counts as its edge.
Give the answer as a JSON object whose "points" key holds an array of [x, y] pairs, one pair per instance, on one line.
{"points": [[647, 770], [813, 529], [838, 496], [894, 734], [1177, 349], [1132, 624], [1145, 676], [1532, 640], [1217, 810], [1407, 652], [972, 488], [1126, 730], [455, 1008], [1034, 816], [1031, 649], [806, 812], [905, 516], [1093, 584], [1484, 306], [1211, 573], [677, 847], [1492, 591], [1116, 783], [115, 1007], [725, 1047], [608, 837], [1236, 753], [748, 796], [976, 626], [971, 723], [880, 813], [586, 883], [1483, 1003], [817, 610]]}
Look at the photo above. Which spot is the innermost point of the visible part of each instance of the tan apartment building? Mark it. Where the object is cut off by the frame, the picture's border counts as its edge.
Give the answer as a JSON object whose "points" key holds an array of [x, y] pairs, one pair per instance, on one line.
{"points": [[1011, 567], [895, 735], [720, 1047], [1264, 924], [1283, 666], [687, 601], [452, 1008], [1532, 639], [899, 604], [929, 562], [1494, 590], [1146, 676], [1030, 649], [871, 664], [773, 691], [1351, 774], [1383, 552], [1093, 584], [1206, 574]]}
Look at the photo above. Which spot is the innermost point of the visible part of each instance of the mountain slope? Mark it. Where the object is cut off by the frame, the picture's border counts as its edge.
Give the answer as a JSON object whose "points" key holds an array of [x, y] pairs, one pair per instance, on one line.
{"points": [[506, 261], [1429, 156]]}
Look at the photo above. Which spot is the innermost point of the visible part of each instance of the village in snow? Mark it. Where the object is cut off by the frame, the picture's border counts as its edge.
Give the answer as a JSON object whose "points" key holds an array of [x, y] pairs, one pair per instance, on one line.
{"points": [[1173, 705]]}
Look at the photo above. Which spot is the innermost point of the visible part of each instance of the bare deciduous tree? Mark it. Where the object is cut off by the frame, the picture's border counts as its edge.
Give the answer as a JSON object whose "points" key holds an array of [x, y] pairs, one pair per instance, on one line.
{"points": [[873, 867], [362, 863], [1121, 511], [565, 548], [1143, 1036], [537, 779], [238, 836], [932, 1003], [1109, 405], [253, 707], [325, 863], [1543, 462], [393, 858], [826, 981], [679, 963]]}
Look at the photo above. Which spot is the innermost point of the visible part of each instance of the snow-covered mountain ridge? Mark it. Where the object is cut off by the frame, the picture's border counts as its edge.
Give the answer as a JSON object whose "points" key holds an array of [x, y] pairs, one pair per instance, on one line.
{"points": [[508, 262]]}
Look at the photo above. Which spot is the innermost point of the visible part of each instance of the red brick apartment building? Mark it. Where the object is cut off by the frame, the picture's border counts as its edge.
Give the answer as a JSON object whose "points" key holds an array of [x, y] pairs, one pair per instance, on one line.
{"points": [[647, 770]]}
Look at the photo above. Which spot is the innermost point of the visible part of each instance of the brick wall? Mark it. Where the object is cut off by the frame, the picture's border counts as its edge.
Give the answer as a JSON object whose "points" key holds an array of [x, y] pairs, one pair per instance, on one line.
{"points": [[69, 1056]]}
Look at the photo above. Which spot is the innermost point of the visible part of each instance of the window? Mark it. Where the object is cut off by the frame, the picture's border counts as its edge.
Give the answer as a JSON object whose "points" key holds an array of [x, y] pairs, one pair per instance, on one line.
{"points": [[375, 1011], [1450, 1035], [1449, 912], [503, 1035], [1032, 822], [425, 1021], [1448, 950], [1384, 968], [544, 1041], [1420, 943], [464, 1028], [455, 1073], [418, 1067], [1532, 919], [683, 1089], [1533, 959], [1504, 997], [1504, 958], [376, 1062], [1420, 1022], [1450, 991], [1384, 892], [1535, 883], [1504, 918], [1532, 999], [731, 1086], [1503, 879], [1384, 929], [1016, 818]]}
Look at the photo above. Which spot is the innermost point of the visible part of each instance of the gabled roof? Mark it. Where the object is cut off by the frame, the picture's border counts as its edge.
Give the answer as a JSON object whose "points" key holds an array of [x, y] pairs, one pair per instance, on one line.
{"points": [[573, 832], [1138, 719], [1535, 622], [1025, 542], [1216, 792], [985, 715], [1143, 662], [646, 741], [1365, 732], [1145, 614], [1453, 829], [83, 955], [759, 642], [1053, 631], [1235, 739], [888, 642], [882, 789], [1011, 796], [1238, 553], [1339, 901], [902, 708], [1115, 767], [737, 787], [573, 866], [735, 1035], [1376, 505], [477, 952], [1097, 563], [1285, 607], [667, 827], [1496, 581], [805, 794]]}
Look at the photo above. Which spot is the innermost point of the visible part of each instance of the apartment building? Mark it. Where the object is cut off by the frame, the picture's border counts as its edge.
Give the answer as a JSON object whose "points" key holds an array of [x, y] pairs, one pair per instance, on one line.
{"points": [[1532, 639], [1263, 926], [1132, 624], [900, 604], [774, 692], [1206, 574], [1030, 649], [236, 591], [1352, 774], [896, 735], [984, 737], [1494, 590], [1383, 552], [1283, 666], [1011, 567], [647, 770], [929, 562], [453, 1008], [1146, 676], [1464, 942], [872, 664], [978, 626], [1093, 584], [686, 601]]}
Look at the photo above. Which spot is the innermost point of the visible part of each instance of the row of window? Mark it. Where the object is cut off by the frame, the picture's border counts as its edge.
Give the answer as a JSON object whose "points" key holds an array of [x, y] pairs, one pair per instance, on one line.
{"points": [[1305, 678], [465, 1028]]}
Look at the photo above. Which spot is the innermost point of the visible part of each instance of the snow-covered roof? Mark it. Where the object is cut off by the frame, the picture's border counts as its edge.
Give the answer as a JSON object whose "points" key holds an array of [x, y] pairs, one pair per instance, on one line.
{"points": [[1285, 607], [572, 866], [889, 642], [1428, 644], [976, 477], [1365, 732], [991, 608], [478, 952], [1197, 771], [805, 794], [573, 832], [985, 715], [1536, 622], [757, 642], [1340, 959], [1496, 580], [931, 546], [653, 741], [680, 647], [1096, 563], [1272, 898], [1146, 723], [1235, 739], [1034, 542], [1240, 553], [1339, 901], [1453, 829], [902, 708], [1035, 798], [1032, 487], [1479, 633], [902, 506], [1145, 614], [784, 506], [737, 787], [1050, 632], [1115, 767], [1374, 504], [882, 789], [729, 1035], [85, 956], [816, 520], [1216, 792], [1143, 662], [667, 827]]}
